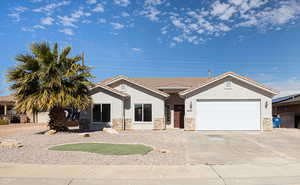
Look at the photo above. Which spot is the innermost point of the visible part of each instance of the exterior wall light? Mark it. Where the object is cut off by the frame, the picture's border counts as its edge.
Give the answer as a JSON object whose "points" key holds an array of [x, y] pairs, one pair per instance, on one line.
{"points": [[191, 105], [266, 104]]}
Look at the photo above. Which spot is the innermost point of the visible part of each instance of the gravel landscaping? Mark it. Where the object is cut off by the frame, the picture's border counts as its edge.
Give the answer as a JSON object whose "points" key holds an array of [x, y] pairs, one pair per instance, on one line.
{"points": [[169, 148]]}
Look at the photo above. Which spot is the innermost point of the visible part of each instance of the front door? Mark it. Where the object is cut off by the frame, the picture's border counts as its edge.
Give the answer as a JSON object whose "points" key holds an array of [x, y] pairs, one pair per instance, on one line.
{"points": [[179, 116]]}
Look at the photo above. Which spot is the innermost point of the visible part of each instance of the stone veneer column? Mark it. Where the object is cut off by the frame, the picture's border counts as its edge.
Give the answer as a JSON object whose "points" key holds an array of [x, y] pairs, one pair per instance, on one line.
{"points": [[267, 124], [84, 124], [128, 124], [189, 124], [117, 124], [159, 124]]}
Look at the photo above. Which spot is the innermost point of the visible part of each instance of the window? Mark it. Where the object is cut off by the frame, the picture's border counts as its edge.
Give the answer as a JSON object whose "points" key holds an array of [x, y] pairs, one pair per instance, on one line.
{"points": [[101, 113], [143, 112]]}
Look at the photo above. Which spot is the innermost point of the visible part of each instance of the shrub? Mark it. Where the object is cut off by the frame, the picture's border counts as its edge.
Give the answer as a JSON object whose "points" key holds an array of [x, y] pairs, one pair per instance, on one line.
{"points": [[4, 122]]}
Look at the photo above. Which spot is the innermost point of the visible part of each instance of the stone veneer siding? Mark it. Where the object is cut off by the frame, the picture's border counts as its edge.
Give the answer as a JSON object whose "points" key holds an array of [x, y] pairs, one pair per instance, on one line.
{"points": [[159, 124], [117, 124], [189, 124], [128, 124], [84, 124], [267, 124]]}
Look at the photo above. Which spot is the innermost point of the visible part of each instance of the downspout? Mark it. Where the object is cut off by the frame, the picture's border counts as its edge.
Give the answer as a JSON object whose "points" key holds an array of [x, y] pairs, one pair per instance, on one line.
{"points": [[124, 123]]}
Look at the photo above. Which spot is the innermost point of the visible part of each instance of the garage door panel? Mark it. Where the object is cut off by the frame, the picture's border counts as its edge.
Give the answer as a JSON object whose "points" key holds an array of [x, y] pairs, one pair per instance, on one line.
{"points": [[228, 115]]}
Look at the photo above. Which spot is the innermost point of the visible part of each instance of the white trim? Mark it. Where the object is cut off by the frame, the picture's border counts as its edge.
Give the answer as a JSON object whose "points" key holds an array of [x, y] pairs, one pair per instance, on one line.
{"points": [[142, 122], [111, 90], [100, 123], [222, 77], [152, 90]]}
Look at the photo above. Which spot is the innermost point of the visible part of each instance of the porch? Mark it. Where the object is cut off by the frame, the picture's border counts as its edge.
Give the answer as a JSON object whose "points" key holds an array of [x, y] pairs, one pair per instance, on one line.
{"points": [[174, 111]]}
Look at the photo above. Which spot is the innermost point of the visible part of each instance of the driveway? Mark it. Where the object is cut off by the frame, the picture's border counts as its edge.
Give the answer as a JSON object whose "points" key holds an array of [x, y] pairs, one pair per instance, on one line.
{"points": [[278, 147]]}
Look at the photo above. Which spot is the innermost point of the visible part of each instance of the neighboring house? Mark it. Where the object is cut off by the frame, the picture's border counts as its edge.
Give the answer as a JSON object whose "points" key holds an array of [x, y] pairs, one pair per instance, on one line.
{"points": [[288, 109], [226, 102], [7, 112]]}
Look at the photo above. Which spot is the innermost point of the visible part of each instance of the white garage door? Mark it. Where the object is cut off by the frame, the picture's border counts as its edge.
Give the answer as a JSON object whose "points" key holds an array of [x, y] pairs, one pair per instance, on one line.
{"points": [[228, 115]]}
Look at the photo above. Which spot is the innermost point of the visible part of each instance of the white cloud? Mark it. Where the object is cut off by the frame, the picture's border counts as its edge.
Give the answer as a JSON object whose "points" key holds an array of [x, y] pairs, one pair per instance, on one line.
{"points": [[16, 13], [117, 26], [154, 2], [273, 17], [98, 8], [136, 49], [67, 31], [123, 3], [27, 29], [51, 7], [39, 27], [101, 20], [286, 87], [47, 21], [69, 21], [91, 1], [125, 14], [223, 10], [151, 13]]}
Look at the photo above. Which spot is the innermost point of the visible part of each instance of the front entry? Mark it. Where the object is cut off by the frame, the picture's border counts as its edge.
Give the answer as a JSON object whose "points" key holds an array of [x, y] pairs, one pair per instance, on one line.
{"points": [[179, 116]]}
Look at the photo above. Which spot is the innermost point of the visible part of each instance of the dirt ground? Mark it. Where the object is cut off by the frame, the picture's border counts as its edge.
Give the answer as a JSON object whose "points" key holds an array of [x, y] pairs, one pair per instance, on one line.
{"points": [[279, 147]]}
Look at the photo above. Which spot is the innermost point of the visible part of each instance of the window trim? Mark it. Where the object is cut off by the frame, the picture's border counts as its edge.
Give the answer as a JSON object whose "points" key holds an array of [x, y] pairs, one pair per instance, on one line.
{"points": [[92, 105], [141, 122]]}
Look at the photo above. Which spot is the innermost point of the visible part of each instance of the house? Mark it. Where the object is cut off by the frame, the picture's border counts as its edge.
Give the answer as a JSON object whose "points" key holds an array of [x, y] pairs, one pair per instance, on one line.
{"points": [[225, 102], [288, 109], [7, 112]]}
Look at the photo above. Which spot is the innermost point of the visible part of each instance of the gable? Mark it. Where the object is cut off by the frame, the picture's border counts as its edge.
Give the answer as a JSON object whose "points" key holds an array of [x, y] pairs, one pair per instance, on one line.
{"points": [[229, 88], [135, 91], [248, 81]]}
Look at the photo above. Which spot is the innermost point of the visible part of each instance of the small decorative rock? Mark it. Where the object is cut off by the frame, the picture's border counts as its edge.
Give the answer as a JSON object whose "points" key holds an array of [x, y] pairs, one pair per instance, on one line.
{"points": [[110, 131], [10, 143], [50, 132], [164, 151], [84, 134]]}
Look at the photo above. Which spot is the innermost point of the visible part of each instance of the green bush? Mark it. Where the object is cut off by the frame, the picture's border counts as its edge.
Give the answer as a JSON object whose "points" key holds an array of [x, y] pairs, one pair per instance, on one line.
{"points": [[4, 122]]}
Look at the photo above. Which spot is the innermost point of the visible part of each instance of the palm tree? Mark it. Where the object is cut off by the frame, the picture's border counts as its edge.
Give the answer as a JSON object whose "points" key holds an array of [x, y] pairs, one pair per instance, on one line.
{"points": [[48, 81]]}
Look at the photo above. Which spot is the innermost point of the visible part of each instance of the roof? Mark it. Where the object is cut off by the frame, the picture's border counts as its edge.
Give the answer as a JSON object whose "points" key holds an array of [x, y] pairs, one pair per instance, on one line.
{"points": [[287, 99], [7, 99], [121, 77], [111, 90], [164, 83], [231, 74]]}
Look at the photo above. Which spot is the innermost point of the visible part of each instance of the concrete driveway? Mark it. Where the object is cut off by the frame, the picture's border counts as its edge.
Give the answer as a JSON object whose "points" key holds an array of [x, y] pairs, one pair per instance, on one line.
{"points": [[278, 147]]}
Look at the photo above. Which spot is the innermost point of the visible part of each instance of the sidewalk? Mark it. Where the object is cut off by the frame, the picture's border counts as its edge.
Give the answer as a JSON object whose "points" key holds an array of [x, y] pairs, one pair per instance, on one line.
{"points": [[14, 174]]}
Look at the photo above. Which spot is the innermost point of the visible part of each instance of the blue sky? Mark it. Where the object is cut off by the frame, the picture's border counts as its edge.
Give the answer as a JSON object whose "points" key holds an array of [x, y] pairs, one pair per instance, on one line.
{"points": [[161, 38]]}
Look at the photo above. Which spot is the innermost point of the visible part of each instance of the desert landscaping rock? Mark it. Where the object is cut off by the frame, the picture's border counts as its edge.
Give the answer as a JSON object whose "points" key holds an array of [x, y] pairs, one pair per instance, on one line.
{"points": [[110, 131], [10, 143], [84, 135], [164, 151], [50, 132]]}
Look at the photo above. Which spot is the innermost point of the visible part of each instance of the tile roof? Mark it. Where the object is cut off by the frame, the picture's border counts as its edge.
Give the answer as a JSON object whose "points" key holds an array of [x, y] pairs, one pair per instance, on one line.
{"points": [[291, 99], [161, 83], [5, 99]]}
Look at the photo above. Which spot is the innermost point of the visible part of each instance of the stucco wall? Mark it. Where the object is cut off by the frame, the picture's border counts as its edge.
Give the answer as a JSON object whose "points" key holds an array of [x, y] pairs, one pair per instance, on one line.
{"points": [[238, 90], [101, 96], [141, 96]]}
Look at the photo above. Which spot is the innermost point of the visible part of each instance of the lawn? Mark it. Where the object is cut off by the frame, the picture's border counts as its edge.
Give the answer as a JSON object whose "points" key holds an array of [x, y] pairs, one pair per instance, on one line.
{"points": [[105, 148]]}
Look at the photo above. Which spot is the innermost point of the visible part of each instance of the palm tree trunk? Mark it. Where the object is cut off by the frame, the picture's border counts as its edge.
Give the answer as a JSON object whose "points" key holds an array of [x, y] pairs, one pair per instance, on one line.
{"points": [[57, 119]]}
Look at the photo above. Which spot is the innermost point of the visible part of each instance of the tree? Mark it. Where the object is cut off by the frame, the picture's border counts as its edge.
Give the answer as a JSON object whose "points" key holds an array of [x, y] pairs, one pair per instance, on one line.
{"points": [[48, 81]]}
